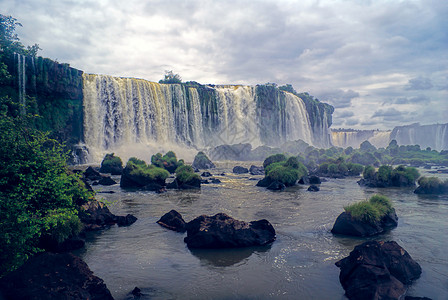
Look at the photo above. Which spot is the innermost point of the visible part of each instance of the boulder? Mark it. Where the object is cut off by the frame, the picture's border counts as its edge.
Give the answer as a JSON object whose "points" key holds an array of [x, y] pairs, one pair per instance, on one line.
{"points": [[347, 225], [111, 164], [201, 161], [154, 186], [313, 179], [206, 174], [254, 170], [276, 186], [54, 276], [204, 181], [265, 182], [222, 231], [377, 270], [173, 221], [215, 180], [92, 174], [106, 180], [125, 220], [313, 188], [129, 180], [95, 216], [240, 170]]}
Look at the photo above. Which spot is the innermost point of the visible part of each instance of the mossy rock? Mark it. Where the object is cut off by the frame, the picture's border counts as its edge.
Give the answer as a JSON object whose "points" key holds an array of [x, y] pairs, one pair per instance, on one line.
{"points": [[111, 164]]}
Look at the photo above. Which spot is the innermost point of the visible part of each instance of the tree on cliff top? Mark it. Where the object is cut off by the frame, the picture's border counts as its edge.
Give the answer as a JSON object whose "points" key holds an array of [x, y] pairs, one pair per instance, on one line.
{"points": [[170, 77], [9, 40]]}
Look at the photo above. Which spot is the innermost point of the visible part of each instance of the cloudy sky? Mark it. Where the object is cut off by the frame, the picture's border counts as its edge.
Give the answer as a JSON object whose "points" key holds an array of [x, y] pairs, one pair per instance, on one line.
{"points": [[379, 63]]}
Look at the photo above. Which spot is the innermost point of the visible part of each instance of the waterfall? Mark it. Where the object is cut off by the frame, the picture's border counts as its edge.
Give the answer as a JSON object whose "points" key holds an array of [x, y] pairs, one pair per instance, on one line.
{"points": [[21, 75], [350, 138], [297, 121], [434, 136], [125, 115]]}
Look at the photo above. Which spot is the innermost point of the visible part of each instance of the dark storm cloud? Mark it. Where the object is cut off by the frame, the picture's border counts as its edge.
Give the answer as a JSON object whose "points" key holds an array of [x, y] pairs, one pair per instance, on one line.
{"points": [[419, 83], [336, 50]]}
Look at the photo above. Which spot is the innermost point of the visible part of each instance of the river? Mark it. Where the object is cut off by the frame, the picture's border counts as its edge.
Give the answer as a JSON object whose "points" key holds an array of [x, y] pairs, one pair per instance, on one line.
{"points": [[298, 265]]}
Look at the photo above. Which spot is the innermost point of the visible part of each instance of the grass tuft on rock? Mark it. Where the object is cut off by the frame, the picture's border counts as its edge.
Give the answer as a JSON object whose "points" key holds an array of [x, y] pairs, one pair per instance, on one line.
{"points": [[370, 211]]}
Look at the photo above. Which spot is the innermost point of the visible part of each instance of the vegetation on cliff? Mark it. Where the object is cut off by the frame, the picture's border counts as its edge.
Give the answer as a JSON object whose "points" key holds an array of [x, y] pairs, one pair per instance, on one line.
{"points": [[38, 195]]}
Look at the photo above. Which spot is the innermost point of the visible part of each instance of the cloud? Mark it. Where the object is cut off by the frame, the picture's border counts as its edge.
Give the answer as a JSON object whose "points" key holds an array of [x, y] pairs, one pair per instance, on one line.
{"points": [[338, 98], [419, 83], [411, 100]]}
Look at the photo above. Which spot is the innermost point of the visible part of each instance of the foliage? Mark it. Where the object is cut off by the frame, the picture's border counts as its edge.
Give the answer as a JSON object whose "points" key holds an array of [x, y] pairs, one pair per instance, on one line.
{"points": [[384, 173], [9, 40], [369, 172], [170, 77], [185, 173], [273, 159], [431, 182], [110, 161], [287, 171], [168, 161], [370, 211], [140, 168], [38, 195]]}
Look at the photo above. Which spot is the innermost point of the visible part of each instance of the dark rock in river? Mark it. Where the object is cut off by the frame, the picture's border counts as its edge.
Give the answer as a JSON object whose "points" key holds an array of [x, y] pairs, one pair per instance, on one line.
{"points": [[347, 225], [129, 180], [206, 174], [254, 170], [193, 183], [215, 180], [265, 182], [201, 161], [54, 276], [276, 186], [204, 181], [313, 179], [313, 188], [125, 220], [95, 216], [377, 270], [173, 221], [222, 231], [137, 293], [92, 174], [240, 170], [106, 180]]}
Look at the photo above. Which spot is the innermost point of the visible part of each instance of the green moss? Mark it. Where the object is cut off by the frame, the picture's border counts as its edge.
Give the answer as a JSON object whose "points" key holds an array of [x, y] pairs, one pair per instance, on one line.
{"points": [[370, 211], [287, 171], [168, 161], [140, 168], [109, 162], [273, 159]]}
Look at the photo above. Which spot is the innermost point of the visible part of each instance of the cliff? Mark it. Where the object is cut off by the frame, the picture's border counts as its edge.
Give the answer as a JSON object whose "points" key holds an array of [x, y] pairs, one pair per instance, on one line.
{"points": [[434, 136]]}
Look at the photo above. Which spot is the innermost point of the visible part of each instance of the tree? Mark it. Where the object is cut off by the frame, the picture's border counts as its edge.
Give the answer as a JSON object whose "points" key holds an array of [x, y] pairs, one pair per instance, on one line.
{"points": [[38, 196], [9, 40], [170, 77]]}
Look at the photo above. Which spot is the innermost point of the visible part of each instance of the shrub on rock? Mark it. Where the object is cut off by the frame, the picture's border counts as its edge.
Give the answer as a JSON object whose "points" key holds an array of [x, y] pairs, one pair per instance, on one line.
{"points": [[432, 185], [201, 161], [111, 164], [137, 174], [386, 176], [366, 218], [168, 161], [186, 178], [287, 171]]}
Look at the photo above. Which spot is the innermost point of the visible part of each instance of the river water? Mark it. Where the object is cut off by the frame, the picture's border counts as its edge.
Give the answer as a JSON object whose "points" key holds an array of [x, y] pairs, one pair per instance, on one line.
{"points": [[298, 265]]}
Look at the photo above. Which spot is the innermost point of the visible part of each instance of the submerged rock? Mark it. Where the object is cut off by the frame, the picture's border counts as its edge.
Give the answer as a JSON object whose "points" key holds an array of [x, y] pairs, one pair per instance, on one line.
{"points": [[240, 170], [377, 270], [206, 174], [192, 183], [313, 179], [173, 221], [215, 180], [276, 186], [54, 276], [313, 188], [106, 180], [347, 225], [222, 231], [254, 170]]}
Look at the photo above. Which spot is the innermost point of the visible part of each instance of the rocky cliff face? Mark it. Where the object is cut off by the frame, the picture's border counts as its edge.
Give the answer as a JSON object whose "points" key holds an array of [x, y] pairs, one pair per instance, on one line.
{"points": [[50, 89], [434, 136]]}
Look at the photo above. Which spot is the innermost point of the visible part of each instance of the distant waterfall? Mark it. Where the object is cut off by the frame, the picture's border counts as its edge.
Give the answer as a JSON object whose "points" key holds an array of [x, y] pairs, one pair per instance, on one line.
{"points": [[434, 136], [21, 75], [128, 113], [344, 139]]}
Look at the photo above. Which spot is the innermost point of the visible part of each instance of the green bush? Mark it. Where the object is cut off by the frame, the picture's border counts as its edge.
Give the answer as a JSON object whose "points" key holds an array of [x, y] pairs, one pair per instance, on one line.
{"points": [[185, 174], [354, 169], [429, 182], [333, 169], [364, 211], [286, 175], [287, 171], [140, 168], [370, 211], [38, 195], [168, 161], [109, 162], [273, 159], [384, 173], [369, 172]]}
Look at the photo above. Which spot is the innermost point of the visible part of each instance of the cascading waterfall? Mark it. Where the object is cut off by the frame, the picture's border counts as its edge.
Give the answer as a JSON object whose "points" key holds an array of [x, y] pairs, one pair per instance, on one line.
{"points": [[434, 136], [21, 82], [128, 113], [297, 121]]}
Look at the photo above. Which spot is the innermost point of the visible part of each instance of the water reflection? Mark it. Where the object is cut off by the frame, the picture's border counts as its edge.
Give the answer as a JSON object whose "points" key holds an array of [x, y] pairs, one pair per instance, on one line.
{"points": [[227, 257]]}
